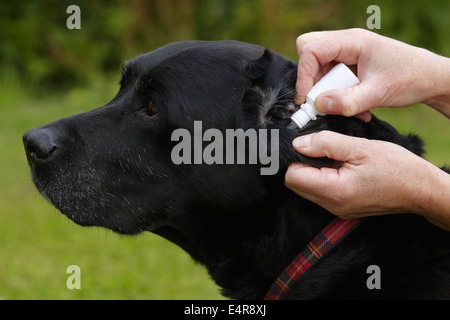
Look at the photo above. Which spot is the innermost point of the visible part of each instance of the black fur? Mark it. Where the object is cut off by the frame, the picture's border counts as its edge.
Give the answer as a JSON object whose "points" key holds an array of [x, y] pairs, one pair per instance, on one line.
{"points": [[111, 167]]}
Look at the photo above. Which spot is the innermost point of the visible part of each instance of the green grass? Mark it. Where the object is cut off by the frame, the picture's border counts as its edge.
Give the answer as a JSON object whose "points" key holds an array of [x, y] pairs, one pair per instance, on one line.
{"points": [[37, 244]]}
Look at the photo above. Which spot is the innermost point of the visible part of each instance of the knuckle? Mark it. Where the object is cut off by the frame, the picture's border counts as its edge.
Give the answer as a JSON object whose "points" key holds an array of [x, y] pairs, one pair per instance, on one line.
{"points": [[324, 135], [354, 101], [306, 38], [359, 32], [302, 40], [321, 141], [351, 106], [307, 49]]}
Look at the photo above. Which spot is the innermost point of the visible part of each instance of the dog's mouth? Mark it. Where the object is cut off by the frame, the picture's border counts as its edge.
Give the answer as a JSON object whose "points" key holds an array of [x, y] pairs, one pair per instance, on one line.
{"points": [[87, 198], [65, 194]]}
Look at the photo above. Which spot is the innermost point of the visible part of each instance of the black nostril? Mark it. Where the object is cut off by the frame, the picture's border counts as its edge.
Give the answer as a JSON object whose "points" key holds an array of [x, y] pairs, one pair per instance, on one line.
{"points": [[39, 145]]}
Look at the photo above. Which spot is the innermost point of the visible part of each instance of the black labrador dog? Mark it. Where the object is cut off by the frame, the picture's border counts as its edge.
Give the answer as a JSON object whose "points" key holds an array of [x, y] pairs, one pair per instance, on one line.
{"points": [[114, 167]]}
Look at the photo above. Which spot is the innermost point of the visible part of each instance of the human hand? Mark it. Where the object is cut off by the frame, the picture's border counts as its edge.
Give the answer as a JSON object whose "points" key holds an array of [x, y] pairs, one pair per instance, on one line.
{"points": [[375, 177], [392, 73]]}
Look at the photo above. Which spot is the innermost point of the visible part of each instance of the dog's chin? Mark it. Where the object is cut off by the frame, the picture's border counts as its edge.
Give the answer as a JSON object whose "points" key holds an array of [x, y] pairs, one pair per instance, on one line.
{"points": [[87, 218], [79, 218], [89, 208]]}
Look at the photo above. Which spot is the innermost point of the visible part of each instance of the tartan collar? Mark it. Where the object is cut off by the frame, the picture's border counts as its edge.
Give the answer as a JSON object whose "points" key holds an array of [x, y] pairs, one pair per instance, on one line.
{"points": [[322, 243]]}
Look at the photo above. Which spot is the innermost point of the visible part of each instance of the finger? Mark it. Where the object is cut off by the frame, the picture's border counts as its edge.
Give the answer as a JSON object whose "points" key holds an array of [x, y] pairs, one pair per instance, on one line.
{"points": [[323, 47], [305, 38], [308, 68], [319, 48], [349, 102], [328, 37], [308, 181], [365, 116], [332, 145], [305, 81]]}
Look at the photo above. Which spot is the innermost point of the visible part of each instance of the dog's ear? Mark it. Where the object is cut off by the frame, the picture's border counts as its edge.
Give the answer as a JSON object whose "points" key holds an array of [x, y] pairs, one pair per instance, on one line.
{"points": [[270, 97], [268, 103]]}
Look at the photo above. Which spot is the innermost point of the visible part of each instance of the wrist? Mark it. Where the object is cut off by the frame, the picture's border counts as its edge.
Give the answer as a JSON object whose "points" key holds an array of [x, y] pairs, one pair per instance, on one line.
{"points": [[439, 85], [432, 200]]}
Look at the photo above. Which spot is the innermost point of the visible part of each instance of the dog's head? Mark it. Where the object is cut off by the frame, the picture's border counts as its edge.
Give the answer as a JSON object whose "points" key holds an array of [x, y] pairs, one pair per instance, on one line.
{"points": [[118, 166]]}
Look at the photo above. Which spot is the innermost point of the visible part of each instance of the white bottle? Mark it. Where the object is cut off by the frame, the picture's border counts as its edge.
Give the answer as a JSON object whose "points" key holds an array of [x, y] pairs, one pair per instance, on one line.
{"points": [[340, 77]]}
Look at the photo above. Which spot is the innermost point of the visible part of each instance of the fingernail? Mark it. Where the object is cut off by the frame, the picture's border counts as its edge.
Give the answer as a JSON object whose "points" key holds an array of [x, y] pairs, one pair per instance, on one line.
{"points": [[325, 105], [302, 142]]}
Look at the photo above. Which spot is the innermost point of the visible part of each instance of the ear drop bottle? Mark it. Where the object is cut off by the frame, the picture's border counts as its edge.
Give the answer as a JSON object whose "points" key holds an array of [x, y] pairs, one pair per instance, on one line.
{"points": [[340, 77]]}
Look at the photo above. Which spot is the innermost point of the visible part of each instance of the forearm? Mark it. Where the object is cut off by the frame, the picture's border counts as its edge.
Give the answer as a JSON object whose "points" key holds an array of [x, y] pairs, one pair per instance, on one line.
{"points": [[440, 85], [432, 200], [392, 73]]}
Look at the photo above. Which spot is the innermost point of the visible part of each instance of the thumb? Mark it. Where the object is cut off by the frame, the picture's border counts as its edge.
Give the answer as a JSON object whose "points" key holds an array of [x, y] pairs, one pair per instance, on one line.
{"points": [[348, 102], [331, 145]]}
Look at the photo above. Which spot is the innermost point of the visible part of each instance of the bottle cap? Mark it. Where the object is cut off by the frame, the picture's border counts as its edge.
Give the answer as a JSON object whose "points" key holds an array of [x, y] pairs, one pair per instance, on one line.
{"points": [[306, 113], [340, 77], [301, 118]]}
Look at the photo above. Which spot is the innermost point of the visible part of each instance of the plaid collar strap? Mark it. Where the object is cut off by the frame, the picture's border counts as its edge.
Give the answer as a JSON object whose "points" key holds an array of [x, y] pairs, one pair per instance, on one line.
{"points": [[323, 242]]}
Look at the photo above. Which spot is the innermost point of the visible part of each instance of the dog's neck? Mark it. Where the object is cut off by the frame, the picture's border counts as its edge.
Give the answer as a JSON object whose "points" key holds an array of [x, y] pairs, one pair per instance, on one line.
{"points": [[245, 250]]}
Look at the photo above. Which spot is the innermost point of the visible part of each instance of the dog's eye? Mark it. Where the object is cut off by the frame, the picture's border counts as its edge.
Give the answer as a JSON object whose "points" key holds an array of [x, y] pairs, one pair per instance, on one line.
{"points": [[151, 110]]}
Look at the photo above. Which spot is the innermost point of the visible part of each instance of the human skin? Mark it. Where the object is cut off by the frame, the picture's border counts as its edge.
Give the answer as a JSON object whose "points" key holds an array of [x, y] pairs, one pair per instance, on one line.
{"points": [[392, 73], [375, 177]]}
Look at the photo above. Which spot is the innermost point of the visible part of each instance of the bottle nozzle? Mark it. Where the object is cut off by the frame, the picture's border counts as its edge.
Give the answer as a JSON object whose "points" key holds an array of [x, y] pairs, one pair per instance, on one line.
{"points": [[306, 113], [301, 118], [340, 77]]}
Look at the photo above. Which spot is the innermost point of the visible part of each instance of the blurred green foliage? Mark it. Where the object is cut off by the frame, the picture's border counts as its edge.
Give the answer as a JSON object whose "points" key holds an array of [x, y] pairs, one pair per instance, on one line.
{"points": [[36, 45], [48, 72]]}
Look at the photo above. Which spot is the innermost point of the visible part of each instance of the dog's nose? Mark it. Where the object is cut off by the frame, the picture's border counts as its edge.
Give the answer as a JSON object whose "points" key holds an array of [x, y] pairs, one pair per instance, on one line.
{"points": [[39, 145]]}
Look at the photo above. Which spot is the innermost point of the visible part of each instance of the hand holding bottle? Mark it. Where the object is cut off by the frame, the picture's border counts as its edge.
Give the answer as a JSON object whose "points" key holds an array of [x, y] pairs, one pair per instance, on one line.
{"points": [[392, 73], [340, 77], [375, 177]]}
